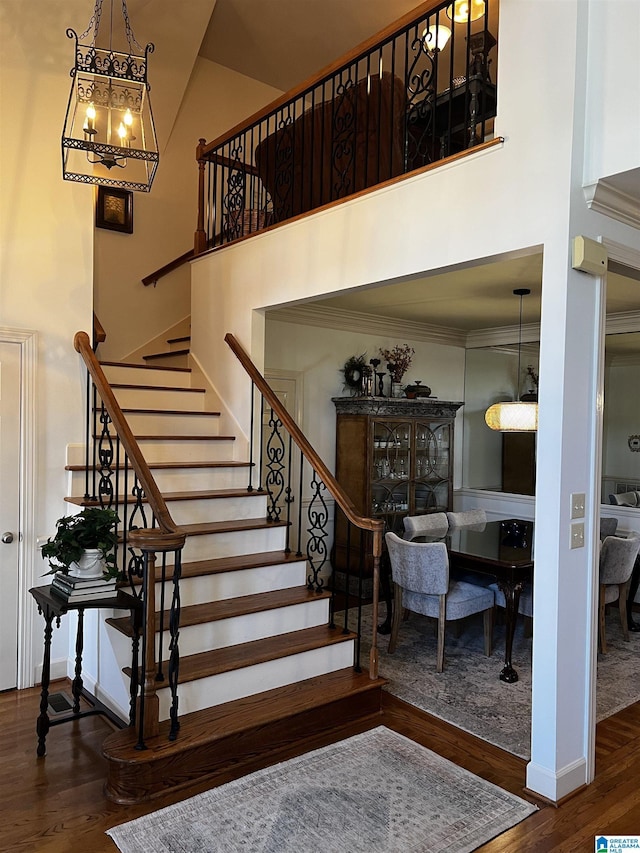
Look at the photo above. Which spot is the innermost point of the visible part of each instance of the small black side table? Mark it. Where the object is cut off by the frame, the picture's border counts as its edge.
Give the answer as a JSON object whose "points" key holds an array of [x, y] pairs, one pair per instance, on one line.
{"points": [[52, 606]]}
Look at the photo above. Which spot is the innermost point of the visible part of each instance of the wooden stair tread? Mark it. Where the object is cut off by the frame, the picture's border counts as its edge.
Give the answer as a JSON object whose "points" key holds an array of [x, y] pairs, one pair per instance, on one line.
{"points": [[204, 494], [233, 563], [144, 366], [154, 355], [242, 655], [231, 718], [170, 465], [181, 437], [185, 412], [214, 611], [178, 340], [158, 388], [204, 527]]}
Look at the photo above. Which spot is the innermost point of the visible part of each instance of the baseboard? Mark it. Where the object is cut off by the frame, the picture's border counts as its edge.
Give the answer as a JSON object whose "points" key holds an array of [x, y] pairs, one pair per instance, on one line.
{"points": [[555, 786]]}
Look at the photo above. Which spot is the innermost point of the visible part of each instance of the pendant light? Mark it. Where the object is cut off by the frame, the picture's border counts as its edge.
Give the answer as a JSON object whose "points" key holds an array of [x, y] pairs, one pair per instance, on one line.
{"points": [[109, 136], [516, 416]]}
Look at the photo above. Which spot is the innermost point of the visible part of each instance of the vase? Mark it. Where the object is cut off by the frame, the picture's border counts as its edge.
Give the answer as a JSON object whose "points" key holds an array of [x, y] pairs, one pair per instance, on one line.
{"points": [[396, 389], [90, 565]]}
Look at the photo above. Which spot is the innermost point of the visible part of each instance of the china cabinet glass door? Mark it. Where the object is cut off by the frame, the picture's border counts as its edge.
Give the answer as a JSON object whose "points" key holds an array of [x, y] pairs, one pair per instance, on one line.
{"points": [[392, 471]]}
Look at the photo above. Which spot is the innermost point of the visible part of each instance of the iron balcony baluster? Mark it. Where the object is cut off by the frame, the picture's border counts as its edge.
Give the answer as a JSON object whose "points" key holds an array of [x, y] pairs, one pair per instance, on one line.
{"points": [[318, 516], [174, 651]]}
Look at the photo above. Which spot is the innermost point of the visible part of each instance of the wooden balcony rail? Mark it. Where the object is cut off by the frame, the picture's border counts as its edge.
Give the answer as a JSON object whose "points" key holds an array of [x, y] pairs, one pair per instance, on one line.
{"points": [[166, 537], [154, 277], [401, 101], [374, 526]]}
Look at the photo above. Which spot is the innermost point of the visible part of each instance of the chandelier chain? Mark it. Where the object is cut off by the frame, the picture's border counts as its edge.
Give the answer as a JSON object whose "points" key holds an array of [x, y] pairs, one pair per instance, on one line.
{"points": [[94, 22]]}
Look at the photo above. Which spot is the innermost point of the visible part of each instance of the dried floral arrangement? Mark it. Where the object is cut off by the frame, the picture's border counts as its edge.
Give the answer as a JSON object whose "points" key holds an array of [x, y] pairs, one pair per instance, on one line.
{"points": [[398, 360]]}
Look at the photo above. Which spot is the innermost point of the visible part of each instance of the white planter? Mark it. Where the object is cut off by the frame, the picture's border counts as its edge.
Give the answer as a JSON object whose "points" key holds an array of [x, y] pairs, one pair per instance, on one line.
{"points": [[90, 565]]}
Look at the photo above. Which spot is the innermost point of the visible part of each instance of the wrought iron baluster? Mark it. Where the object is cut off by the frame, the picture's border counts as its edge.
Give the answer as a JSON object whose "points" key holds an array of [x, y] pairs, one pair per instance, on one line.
{"points": [[261, 462], [174, 651], [299, 551], [160, 674], [318, 517], [105, 460], [288, 497], [94, 444], [251, 433], [274, 480], [87, 442]]}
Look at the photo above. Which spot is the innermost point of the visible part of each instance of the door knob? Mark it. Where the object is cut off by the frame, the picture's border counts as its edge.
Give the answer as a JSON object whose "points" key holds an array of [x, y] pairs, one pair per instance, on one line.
{"points": [[7, 538]]}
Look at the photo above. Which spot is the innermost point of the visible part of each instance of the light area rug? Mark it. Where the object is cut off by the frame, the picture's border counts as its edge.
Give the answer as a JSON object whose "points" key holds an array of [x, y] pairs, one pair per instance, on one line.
{"points": [[376, 792], [469, 694]]}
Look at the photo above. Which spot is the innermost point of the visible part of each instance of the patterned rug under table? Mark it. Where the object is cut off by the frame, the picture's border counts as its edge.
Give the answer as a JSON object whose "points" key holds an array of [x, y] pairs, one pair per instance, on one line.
{"points": [[377, 792]]}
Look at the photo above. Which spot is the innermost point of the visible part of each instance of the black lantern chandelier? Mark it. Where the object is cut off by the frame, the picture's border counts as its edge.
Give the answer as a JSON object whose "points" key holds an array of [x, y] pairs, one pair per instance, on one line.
{"points": [[109, 137]]}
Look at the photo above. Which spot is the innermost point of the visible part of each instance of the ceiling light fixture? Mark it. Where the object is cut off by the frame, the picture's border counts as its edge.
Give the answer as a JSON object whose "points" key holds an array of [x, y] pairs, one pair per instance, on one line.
{"points": [[109, 125], [435, 38], [462, 10], [516, 416]]}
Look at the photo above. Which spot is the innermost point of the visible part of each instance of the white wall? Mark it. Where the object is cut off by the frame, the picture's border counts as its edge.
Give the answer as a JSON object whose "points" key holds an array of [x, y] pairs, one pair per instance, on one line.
{"points": [[319, 354], [46, 263], [165, 219]]}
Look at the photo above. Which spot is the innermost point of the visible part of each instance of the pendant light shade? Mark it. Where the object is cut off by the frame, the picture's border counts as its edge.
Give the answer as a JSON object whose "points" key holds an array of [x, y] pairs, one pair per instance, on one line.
{"points": [[512, 417], [109, 136], [462, 10], [518, 415]]}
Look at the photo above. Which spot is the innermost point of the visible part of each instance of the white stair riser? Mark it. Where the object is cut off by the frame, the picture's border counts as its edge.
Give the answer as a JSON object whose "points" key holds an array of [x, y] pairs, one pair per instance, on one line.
{"points": [[142, 376], [244, 629], [218, 509], [157, 398], [227, 585], [207, 692], [235, 543], [179, 345], [170, 360], [163, 424], [175, 480], [188, 451]]}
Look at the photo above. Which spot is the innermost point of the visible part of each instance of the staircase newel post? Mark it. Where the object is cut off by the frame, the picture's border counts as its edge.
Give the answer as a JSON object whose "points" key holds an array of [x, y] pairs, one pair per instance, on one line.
{"points": [[149, 713], [200, 243]]}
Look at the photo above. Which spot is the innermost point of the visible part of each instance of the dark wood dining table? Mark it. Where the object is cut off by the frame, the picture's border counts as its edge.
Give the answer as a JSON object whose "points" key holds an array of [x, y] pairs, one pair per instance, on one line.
{"points": [[501, 550]]}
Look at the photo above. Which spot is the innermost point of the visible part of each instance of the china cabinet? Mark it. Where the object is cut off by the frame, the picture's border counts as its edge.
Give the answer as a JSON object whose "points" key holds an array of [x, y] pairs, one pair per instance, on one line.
{"points": [[394, 457]]}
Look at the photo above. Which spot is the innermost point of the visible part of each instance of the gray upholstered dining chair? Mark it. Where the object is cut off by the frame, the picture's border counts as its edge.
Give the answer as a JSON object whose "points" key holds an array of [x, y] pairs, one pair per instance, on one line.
{"points": [[429, 523], [608, 527], [625, 499], [420, 572], [617, 558], [467, 518]]}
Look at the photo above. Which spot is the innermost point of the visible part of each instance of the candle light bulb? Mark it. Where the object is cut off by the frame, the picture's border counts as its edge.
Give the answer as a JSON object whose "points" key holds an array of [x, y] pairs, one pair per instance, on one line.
{"points": [[128, 118]]}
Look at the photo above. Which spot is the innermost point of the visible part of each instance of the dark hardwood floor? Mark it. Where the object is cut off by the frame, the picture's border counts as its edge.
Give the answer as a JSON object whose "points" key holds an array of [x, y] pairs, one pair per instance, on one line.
{"points": [[56, 804]]}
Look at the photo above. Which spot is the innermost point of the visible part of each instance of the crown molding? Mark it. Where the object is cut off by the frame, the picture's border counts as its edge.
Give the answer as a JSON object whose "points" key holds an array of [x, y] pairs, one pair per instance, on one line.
{"points": [[333, 318], [618, 324], [612, 202], [500, 335]]}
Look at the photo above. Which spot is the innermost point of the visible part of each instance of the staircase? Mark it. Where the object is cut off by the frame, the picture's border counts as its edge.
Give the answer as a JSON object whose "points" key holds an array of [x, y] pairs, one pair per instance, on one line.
{"points": [[260, 665]]}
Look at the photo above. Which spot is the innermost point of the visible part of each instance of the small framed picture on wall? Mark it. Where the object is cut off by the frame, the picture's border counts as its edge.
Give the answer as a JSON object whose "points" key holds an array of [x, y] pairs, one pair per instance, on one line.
{"points": [[114, 209]]}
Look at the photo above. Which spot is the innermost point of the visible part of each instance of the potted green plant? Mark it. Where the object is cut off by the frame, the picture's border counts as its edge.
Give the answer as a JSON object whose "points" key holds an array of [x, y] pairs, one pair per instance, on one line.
{"points": [[84, 544]]}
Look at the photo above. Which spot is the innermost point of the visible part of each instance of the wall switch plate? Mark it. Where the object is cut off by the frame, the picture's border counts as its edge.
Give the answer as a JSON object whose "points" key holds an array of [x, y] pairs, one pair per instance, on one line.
{"points": [[577, 535], [577, 505]]}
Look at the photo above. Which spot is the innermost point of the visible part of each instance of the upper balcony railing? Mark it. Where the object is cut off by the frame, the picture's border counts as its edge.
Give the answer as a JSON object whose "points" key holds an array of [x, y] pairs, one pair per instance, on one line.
{"points": [[418, 92]]}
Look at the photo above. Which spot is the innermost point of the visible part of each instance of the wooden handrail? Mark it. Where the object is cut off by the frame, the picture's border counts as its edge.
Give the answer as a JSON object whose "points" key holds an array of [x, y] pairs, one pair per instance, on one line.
{"points": [[376, 526], [167, 268], [99, 334], [166, 524], [343, 501]]}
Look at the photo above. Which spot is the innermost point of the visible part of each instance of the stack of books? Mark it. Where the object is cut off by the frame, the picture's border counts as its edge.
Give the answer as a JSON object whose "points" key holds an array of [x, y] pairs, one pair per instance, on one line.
{"points": [[74, 590]]}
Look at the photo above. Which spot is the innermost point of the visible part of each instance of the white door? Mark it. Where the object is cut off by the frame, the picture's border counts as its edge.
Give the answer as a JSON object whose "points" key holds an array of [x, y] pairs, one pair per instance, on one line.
{"points": [[9, 510]]}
